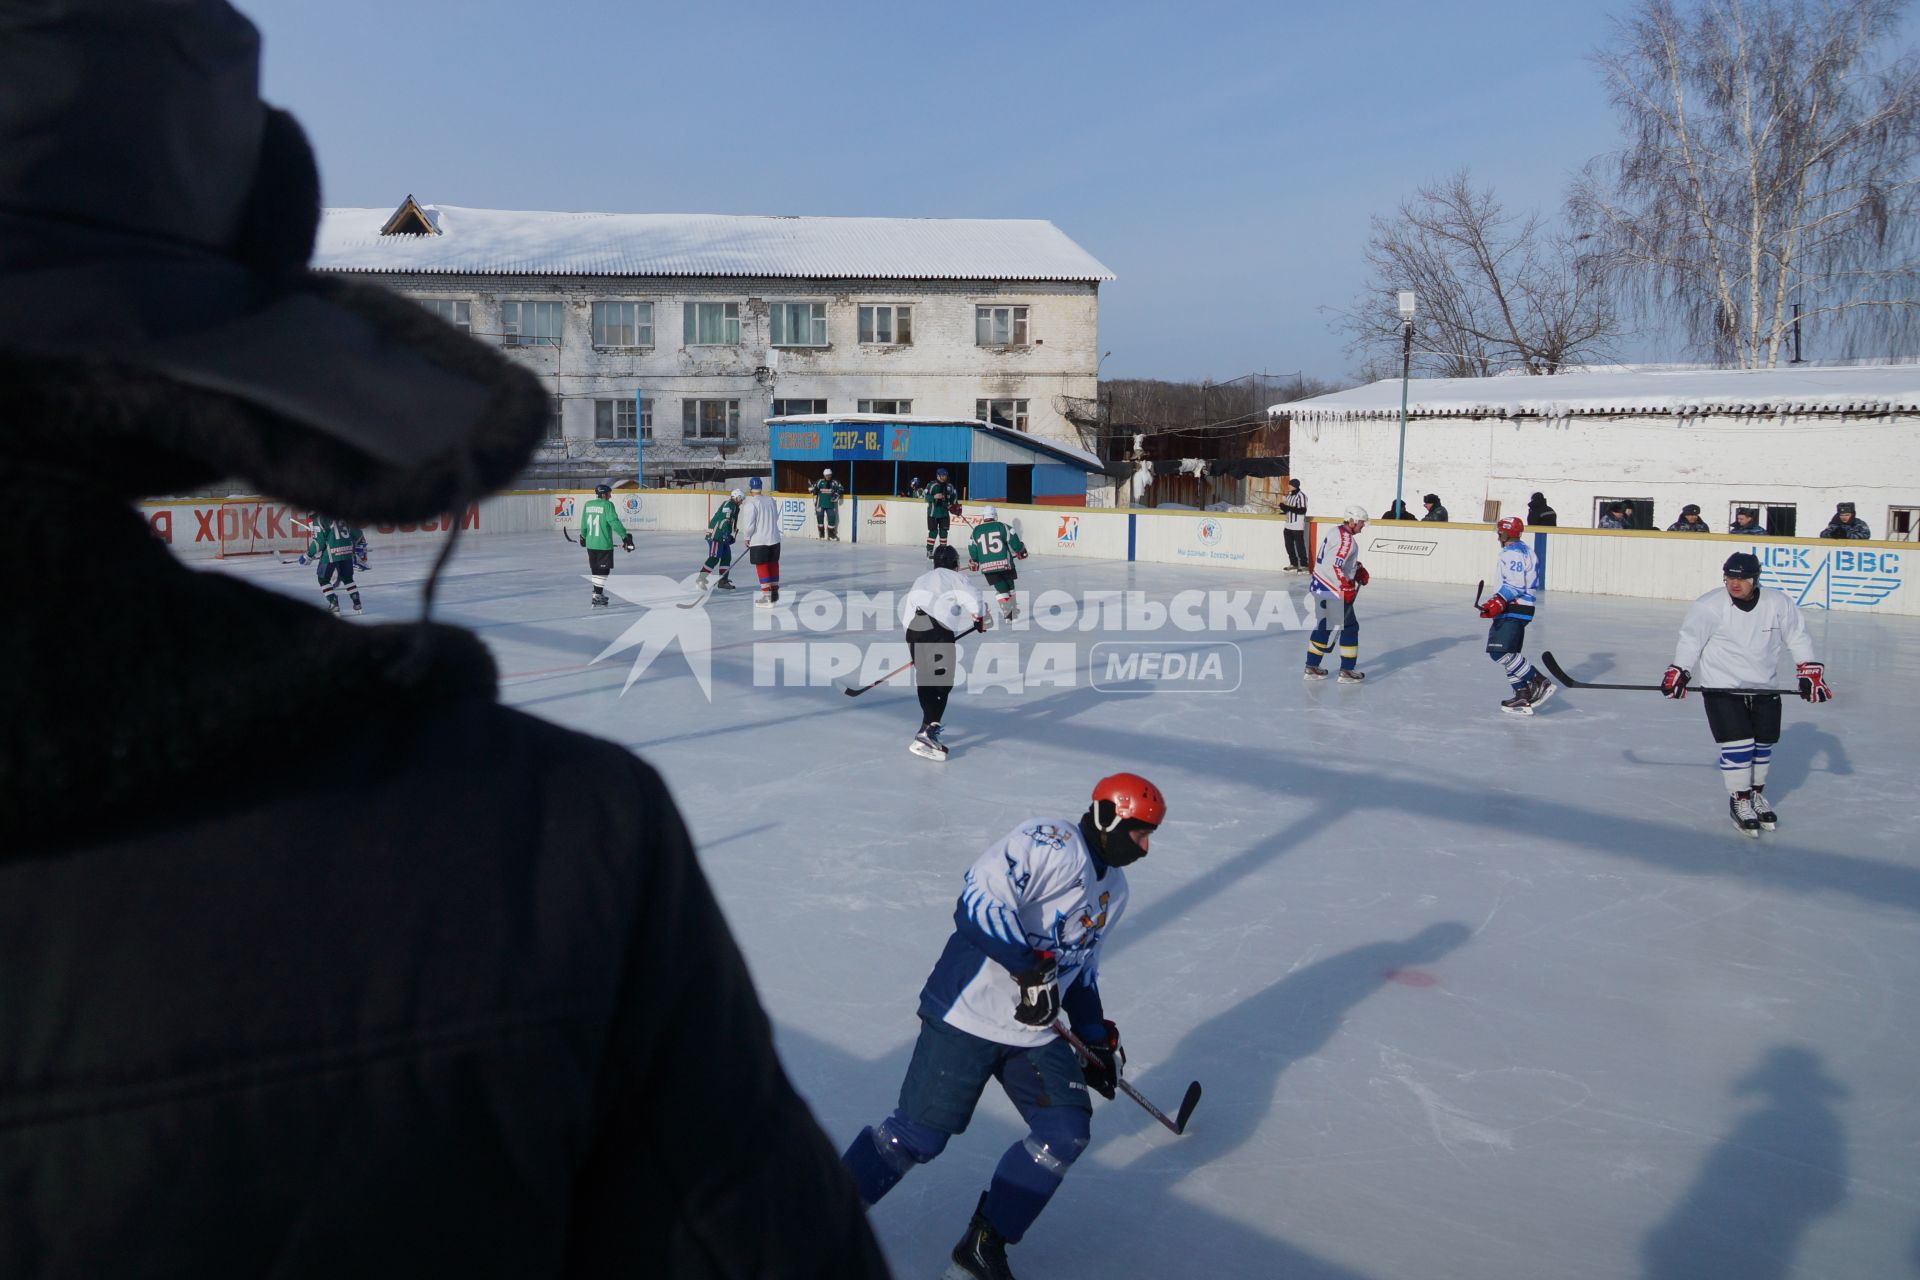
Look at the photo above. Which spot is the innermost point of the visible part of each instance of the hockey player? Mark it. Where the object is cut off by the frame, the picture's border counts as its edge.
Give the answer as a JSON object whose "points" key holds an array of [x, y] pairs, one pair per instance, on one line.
{"points": [[1733, 639], [941, 606], [720, 542], [992, 550], [1295, 505], [1338, 576], [1029, 928], [760, 530], [336, 548], [599, 526], [1511, 609], [827, 493], [943, 503]]}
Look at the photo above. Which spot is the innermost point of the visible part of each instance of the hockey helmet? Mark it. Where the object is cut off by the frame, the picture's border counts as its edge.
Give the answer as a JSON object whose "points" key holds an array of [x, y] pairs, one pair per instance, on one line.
{"points": [[753, 483], [945, 557], [603, 490], [988, 513], [1356, 515], [1510, 527], [738, 496], [940, 473], [1127, 796], [826, 471], [1741, 564]]}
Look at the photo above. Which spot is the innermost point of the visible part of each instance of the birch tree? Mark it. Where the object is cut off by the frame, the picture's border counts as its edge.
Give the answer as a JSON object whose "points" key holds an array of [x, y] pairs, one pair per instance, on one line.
{"points": [[1769, 161]]}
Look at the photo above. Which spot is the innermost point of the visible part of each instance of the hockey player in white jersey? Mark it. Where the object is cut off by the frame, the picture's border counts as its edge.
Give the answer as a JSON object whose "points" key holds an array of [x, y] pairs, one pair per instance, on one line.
{"points": [[1511, 608], [759, 528], [1033, 915], [1733, 639], [941, 606], [1338, 576]]}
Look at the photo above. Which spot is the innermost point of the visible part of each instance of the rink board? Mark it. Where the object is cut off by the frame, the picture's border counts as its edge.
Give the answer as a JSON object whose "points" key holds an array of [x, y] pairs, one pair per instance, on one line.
{"points": [[1867, 575]]}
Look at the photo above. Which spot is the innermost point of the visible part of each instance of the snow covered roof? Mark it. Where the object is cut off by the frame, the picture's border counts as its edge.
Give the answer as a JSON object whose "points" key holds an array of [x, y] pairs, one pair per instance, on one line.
{"points": [[1869, 389], [507, 242], [1044, 444]]}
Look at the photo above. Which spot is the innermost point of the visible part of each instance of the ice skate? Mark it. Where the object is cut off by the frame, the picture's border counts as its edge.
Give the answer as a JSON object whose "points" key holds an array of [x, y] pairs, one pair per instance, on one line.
{"points": [[1517, 705], [356, 606], [725, 584], [599, 599], [1313, 673], [1352, 677], [763, 599], [927, 745], [981, 1253], [1769, 820], [1539, 689], [333, 606], [700, 583], [1740, 808], [1010, 610]]}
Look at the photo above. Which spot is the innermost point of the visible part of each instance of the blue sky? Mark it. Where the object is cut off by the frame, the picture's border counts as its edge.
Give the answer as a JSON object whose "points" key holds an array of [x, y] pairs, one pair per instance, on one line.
{"points": [[1221, 159]]}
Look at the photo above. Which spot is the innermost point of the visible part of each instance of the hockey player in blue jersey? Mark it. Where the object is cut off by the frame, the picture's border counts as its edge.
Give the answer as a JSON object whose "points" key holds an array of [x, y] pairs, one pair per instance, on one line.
{"points": [[1033, 915], [1511, 607], [1338, 576]]}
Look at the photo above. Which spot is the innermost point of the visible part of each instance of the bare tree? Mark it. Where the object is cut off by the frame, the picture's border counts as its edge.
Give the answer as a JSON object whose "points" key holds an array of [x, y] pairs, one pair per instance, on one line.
{"points": [[1497, 290], [1769, 161]]}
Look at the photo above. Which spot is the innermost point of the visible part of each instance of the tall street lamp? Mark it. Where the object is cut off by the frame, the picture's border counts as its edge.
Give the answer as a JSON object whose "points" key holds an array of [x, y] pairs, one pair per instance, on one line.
{"points": [[1100, 406], [1407, 307]]}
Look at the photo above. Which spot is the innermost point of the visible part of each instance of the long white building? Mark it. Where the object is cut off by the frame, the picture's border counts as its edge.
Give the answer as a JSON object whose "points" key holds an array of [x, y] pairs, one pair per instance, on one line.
{"points": [[687, 331], [1792, 443]]}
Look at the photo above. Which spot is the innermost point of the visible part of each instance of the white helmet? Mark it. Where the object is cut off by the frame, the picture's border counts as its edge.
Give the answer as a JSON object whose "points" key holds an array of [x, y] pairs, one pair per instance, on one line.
{"points": [[1356, 515], [826, 471], [739, 496], [988, 513]]}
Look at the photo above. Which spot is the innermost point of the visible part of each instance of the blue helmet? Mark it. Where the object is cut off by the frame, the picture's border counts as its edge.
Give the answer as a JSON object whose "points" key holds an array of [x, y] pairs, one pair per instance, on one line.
{"points": [[939, 471], [754, 484]]}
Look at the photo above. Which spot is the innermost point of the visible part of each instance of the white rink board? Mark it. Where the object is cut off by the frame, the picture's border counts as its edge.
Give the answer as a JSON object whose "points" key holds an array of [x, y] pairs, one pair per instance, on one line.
{"points": [[1210, 539]]}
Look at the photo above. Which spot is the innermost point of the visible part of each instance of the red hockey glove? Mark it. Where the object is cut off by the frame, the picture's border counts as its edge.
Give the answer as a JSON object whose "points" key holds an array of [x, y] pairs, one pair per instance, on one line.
{"points": [[1361, 576], [1349, 591], [1674, 683], [1039, 997], [1103, 1073], [1019, 555], [1813, 682], [955, 509], [1493, 606], [973, 566], [981, 621]]}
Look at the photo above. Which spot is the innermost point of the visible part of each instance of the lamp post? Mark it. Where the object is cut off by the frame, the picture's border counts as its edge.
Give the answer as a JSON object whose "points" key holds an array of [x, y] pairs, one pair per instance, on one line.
{"points": [[1100, 406], [1408, 305]]}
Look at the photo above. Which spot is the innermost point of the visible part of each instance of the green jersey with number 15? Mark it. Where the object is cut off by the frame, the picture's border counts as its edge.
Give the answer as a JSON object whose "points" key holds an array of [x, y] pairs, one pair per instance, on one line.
{"points": [[993, 547]]}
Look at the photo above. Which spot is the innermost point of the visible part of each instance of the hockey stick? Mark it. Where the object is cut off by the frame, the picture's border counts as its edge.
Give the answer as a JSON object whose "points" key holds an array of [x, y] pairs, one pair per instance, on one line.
{"points": [[1478, 592], [1552, 665], [856, 692], [1178, 1124]]}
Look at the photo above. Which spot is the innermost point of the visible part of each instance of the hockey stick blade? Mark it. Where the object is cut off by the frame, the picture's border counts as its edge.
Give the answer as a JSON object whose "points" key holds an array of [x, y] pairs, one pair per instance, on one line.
{"points": [[1554, 668], [566, 535], [1187, 1104], [1478, 592], [854, 691]]}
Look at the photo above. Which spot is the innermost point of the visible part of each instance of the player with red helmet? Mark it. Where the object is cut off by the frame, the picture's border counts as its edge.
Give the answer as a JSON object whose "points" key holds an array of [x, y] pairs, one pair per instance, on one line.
{"points": [[1511, 608], [1033, 914]]}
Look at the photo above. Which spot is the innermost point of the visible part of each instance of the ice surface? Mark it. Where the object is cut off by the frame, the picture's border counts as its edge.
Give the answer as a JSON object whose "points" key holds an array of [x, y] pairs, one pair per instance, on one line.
{"points": [[1470, 995]]}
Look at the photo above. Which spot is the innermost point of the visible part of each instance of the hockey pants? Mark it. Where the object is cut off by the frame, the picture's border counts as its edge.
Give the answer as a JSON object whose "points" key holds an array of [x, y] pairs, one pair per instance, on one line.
{"points": [[1320, 643]]}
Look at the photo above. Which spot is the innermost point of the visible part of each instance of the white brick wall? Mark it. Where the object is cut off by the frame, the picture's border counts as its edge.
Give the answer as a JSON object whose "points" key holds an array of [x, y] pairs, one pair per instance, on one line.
{"points": [[943, 372]]}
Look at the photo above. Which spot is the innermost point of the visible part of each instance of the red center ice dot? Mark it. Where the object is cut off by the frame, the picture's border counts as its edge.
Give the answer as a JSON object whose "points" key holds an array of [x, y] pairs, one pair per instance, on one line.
{"points": [[1412, 978]]}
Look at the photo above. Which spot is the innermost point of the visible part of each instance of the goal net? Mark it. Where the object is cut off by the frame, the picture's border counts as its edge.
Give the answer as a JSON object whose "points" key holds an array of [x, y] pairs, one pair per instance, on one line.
{"points": [[256, 527]]}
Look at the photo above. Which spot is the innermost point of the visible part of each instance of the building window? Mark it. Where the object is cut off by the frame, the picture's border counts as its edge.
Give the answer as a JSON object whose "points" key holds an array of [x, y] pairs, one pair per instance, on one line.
{"points": [[1902, 523], [886, 406], [711, 324], [623, 324], [798, 324], [457, 314], [553, 423], [1775, 518], [1000, 326], [531, 324], [1639, 511], [622, 419], [786, 408], [710, 419], [1005, 413], [886, 324]]}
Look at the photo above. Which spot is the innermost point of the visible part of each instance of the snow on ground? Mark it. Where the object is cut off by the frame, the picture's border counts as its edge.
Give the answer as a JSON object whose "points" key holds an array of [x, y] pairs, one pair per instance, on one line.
{"points": [[1470, 995]]}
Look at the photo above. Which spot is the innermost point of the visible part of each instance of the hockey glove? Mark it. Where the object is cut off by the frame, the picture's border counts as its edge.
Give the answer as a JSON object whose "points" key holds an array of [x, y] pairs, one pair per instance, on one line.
{"points": [[1103, 1072], [1493, 606], [1039, 997], [1019, 555], [973, 566], [1813, 682], [954, 511], [982, 621], [1350, 591], [1674, 683], [1361, 576], [626, 543]]}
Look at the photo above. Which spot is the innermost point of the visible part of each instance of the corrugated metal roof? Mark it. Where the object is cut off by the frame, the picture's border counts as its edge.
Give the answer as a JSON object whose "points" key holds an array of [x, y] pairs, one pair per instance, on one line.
{"points": [[1862, 389], [506, 242], [1019, 441]]}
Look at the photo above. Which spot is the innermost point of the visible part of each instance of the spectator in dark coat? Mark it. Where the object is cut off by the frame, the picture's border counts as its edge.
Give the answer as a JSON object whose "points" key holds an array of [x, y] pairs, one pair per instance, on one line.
{"points": [[1746, 521], [1689, 521], [1845, 524], [314, 960], [1435, 511], [1615, 516], [1396, 510], [1539, 513]]}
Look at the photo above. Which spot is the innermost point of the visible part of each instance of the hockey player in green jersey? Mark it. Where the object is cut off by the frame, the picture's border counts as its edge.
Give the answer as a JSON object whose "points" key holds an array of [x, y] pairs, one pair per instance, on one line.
{"points": [[827, 493], [335, 548], [720, 542], [943, 503], [599, 526], [992, 550]]}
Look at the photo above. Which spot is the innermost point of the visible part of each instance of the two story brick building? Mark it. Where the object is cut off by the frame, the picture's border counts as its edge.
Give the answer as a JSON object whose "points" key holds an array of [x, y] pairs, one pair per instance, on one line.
{"points": [[686, 331]]}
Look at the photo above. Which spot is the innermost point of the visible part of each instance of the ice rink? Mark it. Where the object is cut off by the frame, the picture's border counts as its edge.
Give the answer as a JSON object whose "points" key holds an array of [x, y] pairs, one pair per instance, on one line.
{"points": [[1470, 995]]}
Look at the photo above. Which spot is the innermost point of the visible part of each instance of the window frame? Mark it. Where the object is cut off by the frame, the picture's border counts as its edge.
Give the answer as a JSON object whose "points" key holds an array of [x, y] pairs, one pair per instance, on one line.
{"points": [[557, 422], [1911, 533], [1019, 324], [779, 411], [1639, 517], [461, 307], [690, 324], [513, 331], [899, 324], [780, 320], [692, 414], [866, 406], [596, 328], [641, 414], [1021, 417]]}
